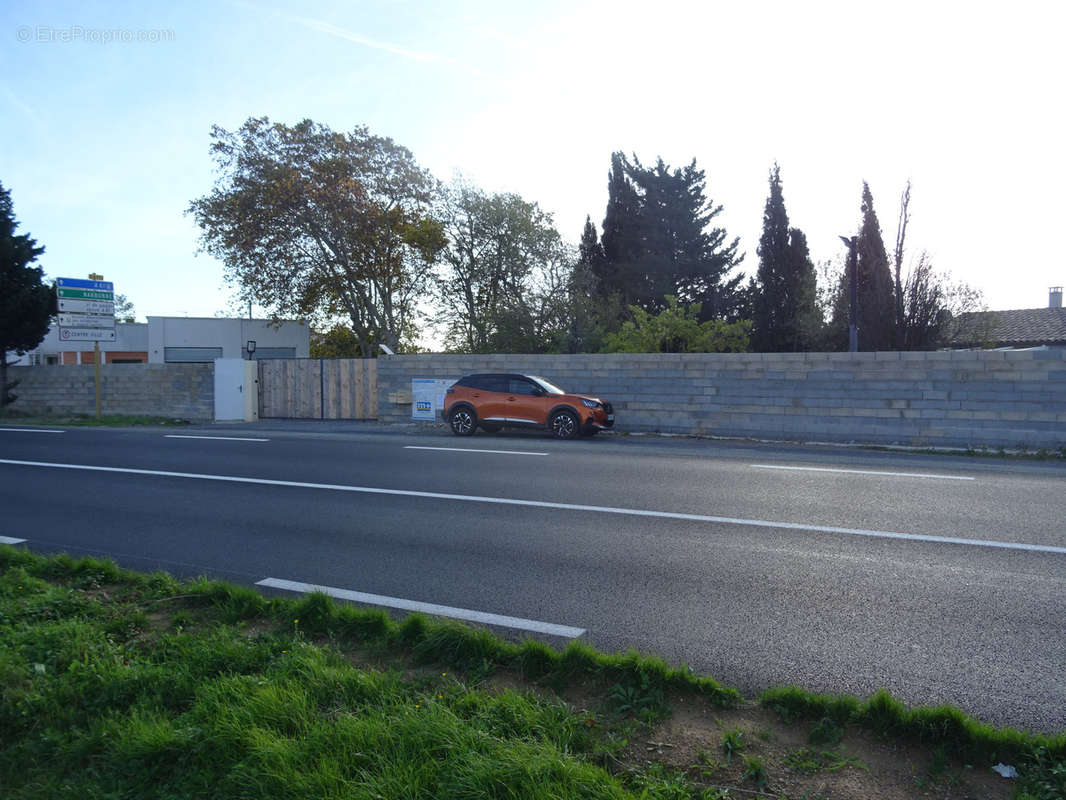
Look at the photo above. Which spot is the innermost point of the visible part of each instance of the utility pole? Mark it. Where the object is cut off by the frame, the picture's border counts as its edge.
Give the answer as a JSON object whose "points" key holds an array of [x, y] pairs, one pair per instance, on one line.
{"points": [[852, 243]]}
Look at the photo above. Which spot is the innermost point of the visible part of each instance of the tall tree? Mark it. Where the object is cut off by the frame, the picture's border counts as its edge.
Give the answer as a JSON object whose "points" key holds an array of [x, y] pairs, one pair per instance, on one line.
{"points": [[901, 238], [318, 224], [876, 313], [586, 303], [928, 303], [785, 316], [659, 240], [26, 304], [504, 284]]}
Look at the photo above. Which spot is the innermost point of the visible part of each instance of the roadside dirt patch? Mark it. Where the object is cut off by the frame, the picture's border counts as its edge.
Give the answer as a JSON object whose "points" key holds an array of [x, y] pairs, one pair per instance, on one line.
{"points": [[858, 767]]}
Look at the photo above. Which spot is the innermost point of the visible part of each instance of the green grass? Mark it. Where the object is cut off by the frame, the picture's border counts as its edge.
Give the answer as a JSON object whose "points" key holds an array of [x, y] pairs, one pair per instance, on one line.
{"points": [[946, 730], [84, 420], [119, 684], [809, 761]]}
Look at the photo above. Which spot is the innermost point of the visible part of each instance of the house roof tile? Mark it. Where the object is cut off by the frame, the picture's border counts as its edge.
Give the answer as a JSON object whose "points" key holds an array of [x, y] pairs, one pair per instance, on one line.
{"points": [[1018, 327]]}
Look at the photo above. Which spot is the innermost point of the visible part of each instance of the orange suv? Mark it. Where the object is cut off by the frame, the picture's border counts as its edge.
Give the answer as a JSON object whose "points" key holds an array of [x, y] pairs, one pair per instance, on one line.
{"points": [[498, 399]]}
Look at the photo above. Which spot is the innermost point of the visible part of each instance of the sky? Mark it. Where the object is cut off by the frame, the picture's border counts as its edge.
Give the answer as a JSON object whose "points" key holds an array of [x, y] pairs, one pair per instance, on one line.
{"points": [[107, 111]]}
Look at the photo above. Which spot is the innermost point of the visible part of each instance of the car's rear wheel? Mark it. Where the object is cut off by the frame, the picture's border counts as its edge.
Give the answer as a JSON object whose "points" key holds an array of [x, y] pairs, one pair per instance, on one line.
{"points": [[463, 421], [490, 427], [564, 425]]}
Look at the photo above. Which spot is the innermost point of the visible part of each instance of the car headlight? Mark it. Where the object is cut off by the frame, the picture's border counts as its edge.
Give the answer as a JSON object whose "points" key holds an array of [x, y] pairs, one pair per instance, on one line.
{"points": [[590, 403]]}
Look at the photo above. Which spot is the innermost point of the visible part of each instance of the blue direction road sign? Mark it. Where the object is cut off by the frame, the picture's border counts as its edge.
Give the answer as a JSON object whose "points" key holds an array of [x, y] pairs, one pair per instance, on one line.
{"points": [[80, 283]]}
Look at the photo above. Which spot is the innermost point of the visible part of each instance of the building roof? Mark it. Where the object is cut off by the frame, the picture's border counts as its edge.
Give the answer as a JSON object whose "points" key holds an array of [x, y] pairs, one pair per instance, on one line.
{"points": [[1023, 327]]}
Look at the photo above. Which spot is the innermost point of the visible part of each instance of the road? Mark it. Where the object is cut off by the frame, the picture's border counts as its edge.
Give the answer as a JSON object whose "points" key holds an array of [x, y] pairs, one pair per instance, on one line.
{"points": [[942, 579]]}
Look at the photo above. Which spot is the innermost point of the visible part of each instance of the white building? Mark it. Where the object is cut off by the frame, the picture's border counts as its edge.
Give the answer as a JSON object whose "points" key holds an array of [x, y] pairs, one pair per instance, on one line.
{"points": [[179, 340]]}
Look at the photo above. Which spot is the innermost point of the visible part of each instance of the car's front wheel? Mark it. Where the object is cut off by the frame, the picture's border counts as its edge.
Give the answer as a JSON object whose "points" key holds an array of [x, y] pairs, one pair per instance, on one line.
{"points": [[463, 421], [564, 425]]}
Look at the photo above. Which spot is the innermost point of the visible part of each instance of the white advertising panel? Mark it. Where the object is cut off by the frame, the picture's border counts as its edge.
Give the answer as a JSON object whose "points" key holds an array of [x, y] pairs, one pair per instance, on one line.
{"points": [[427, 397]]}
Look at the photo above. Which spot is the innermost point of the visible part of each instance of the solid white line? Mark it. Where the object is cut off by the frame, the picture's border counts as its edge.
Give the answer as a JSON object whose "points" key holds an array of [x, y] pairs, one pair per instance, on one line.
{"points": [[428, 608], [9, 540], [220, 438], [472, 450], [28, 430], [867, 472], [633, 512]]}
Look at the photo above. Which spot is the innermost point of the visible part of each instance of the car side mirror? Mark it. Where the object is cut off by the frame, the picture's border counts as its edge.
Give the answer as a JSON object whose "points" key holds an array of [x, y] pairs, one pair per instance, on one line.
{"points": [[538, 392]]}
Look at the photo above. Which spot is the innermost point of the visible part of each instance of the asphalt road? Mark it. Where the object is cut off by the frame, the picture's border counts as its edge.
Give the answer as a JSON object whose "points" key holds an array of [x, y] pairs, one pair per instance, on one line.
{"points": [[940, 578]]}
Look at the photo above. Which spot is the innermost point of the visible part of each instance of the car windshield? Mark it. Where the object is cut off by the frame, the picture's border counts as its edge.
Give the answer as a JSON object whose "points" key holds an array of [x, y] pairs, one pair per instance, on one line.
{"points": [[548, 387]]}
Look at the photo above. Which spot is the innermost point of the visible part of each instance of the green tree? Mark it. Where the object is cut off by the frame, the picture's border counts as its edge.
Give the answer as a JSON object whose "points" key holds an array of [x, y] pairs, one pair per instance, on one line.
{"points": [[592, 306], [316, 224], [503, 286], [785, 315], [26, 304], [339, 341], [659, 239], [677, 329], [124, 310], [876, 312]]}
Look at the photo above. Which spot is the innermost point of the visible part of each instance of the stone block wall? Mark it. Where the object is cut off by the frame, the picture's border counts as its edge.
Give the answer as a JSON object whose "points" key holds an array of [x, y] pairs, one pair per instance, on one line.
{"points": [[185, 391], [947, 398]]}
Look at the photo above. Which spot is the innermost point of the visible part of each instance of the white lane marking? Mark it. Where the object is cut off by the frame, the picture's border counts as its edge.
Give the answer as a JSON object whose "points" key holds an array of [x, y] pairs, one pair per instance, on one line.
{"points": [[29, 430], [428, 608], [634, 512], [9, 540], [472, 450], [220, 438], [867, 472]]}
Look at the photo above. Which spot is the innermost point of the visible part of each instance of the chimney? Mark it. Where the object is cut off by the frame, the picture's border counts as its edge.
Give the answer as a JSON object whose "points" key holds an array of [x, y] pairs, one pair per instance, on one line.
{"points": [[1054, 297]]}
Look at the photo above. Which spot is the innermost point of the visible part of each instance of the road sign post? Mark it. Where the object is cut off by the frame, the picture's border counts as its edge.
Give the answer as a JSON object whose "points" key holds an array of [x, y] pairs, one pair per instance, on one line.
{"points": [[87, 314]]}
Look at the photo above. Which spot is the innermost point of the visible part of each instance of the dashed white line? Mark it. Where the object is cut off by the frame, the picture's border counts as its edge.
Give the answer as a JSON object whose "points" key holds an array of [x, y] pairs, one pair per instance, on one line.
{"points": [[472, 450], [633, 512], [428, 608], [219, 438], [29, 430], [10, 540], [867, 472]]}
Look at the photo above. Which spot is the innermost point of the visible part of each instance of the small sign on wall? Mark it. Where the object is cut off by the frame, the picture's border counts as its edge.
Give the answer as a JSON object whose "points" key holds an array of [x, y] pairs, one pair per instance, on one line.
{"points": [[427, 397]]}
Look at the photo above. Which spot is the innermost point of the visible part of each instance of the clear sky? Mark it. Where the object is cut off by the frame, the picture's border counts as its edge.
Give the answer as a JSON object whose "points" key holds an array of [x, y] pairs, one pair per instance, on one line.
{"points": [[105, 138]]}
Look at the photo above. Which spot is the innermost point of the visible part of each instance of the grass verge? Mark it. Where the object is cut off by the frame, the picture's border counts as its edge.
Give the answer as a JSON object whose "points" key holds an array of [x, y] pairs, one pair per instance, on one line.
{"points": [[119, 684], [86, 420]]}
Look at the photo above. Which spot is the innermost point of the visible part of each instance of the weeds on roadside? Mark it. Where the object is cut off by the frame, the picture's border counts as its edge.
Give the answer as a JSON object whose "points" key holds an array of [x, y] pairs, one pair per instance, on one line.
{"points": [[639, 698], [809, 761], [1043, 778], [827, 732], [755, 771], [732, 743]]}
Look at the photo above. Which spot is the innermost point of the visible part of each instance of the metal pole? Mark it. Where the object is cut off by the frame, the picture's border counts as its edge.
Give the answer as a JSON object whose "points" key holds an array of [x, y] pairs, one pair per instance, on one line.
{"points": [[853, 294], [96, 369]]}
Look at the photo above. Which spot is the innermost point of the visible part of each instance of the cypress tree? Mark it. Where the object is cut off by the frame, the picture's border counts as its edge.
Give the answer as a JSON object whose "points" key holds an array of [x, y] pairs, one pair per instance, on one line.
{"points": [[621, 234], [784, 308], [876, 312]]}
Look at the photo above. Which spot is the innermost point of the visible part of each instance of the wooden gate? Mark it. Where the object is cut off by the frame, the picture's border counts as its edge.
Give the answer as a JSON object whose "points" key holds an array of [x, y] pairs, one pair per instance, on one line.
{"points": [[317, 388]]}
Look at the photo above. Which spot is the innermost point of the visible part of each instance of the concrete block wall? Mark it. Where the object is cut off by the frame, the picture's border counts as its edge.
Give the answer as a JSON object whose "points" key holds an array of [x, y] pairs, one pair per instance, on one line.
{"points": [[949, 398], [185, 391]]}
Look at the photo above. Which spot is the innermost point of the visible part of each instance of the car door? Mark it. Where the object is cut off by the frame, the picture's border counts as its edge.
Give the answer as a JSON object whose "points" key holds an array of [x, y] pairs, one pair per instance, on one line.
{"points": [[526, 402], [490, 397]]}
